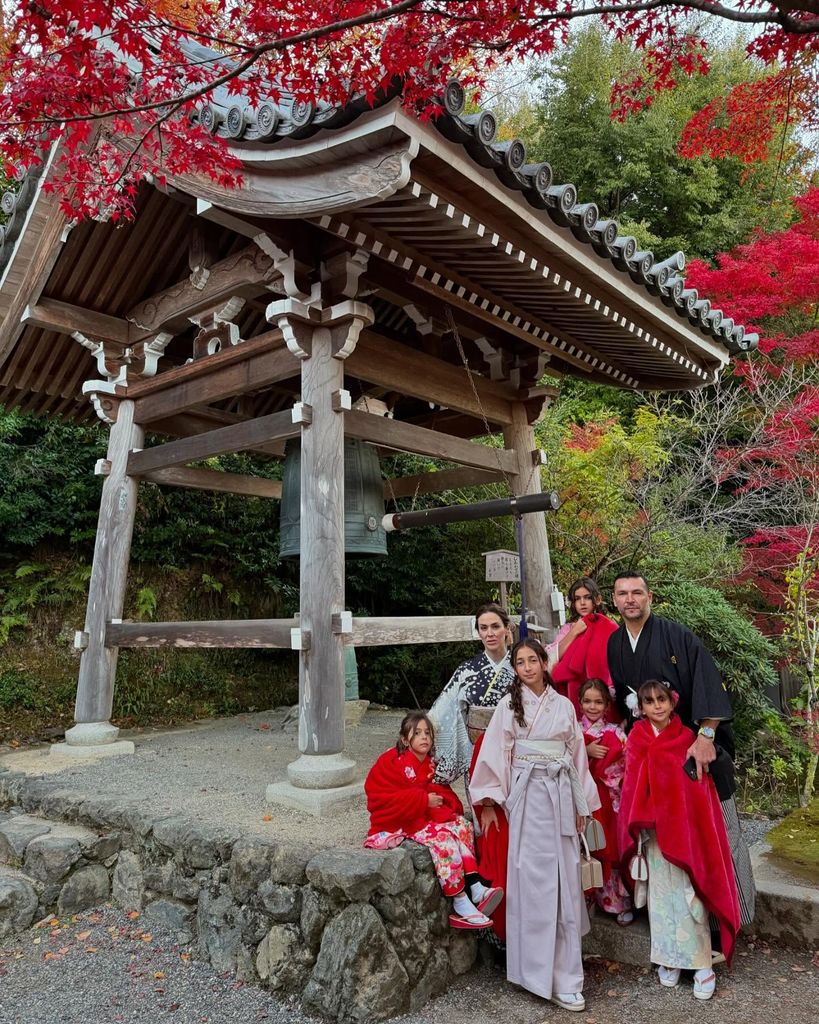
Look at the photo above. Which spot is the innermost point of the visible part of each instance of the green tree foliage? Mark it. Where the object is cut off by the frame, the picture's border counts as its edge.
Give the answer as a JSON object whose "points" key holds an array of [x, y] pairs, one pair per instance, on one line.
{"points": [[632, 170]]}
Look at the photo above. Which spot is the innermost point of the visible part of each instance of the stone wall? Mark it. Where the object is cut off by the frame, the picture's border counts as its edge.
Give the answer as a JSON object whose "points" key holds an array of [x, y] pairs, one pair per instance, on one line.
{"points": [[359, 935]]}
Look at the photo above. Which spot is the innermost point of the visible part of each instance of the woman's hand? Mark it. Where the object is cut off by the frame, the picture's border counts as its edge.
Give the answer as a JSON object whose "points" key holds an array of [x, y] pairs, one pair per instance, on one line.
{"points": [[581, 822], [489, 817], [435, 800], [595, 750]]}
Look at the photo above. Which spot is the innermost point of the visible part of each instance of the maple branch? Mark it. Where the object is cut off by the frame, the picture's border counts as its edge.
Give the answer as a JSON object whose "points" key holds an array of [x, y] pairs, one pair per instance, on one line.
{"points": [[254, 53]]}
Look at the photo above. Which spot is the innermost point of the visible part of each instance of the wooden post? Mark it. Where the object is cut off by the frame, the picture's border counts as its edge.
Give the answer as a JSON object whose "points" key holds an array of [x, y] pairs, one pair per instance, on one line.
{"points": [[520, 436], [106, 593], [322, 340]]}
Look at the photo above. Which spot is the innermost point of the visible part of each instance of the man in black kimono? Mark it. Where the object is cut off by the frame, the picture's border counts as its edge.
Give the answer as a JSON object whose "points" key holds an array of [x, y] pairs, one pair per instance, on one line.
{"points": [[647, 646]]}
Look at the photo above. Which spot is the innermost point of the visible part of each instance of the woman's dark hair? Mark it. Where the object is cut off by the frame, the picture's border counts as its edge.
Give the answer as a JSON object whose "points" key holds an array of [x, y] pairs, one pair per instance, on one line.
{"points": [[494, 609], [596, 684], [653, 685], [516, 689], [587, 583], [409, 723]]}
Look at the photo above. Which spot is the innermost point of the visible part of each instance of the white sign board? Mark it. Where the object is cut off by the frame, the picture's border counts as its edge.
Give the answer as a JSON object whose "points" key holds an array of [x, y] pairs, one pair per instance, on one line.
{"points": [[502, 566]]}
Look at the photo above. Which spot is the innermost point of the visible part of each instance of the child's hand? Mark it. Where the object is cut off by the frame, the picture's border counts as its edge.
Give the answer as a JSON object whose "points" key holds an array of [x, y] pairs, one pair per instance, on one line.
{"points": [[595, 750], [579, 626], [435, 800]]}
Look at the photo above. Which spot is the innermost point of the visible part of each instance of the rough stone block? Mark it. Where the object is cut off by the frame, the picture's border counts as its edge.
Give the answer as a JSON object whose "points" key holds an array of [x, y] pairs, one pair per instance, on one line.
{"points": [[250, 865], [355, 874], [220, 922], [433, 981], [397, 872], [18, 905], [358, 975], [176, 917], [63, 804], [281, 902], [86, 888], [102, 848], [463, 951], [128, 881], [15, 835], [282, 960], [204, 846], [50, 858], [170, 832], [316, 910]]}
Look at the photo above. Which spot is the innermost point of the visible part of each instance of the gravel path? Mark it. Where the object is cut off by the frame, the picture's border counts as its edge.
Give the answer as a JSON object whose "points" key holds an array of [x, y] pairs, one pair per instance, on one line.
{"points": [[104, 967]]}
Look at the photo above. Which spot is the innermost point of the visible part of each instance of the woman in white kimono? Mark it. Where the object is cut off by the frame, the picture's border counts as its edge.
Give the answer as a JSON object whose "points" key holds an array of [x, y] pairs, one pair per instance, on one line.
{"points": [[533, 763]]}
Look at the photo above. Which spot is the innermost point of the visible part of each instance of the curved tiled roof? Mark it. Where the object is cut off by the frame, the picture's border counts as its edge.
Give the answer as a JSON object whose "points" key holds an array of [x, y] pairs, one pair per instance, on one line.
{"points": [[292, 119]]}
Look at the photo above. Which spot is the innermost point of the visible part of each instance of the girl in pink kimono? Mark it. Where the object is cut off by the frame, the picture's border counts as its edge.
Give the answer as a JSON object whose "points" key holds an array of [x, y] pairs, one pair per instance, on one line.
{"points": [[533, 764]]}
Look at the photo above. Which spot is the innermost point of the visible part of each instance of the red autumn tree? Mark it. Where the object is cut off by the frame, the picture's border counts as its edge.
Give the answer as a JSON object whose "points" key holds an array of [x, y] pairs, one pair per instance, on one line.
{"points": [[91, 71], [773, 283]]}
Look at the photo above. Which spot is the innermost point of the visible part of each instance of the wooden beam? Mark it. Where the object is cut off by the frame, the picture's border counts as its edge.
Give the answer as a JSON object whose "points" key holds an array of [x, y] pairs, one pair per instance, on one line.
{"points": [[378, 360], [214, 480], [246, 273], [65, 318], [442, 480], [404, 437], [245, 368], [419, 629], [236, 438], [259, 633]]}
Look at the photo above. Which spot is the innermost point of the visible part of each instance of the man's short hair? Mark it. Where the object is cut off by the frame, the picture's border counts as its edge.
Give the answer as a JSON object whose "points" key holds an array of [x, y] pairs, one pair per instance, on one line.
{"points": [[629, 575]]}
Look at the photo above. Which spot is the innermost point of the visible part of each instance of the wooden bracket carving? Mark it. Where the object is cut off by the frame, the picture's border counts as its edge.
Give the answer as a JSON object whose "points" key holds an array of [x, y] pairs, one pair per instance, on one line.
{"points": [[102, 394], [424, 324], [102, 467], [539, 457], [284, 263], [216, 328], [296, 321], [495, 357], [112, 360], [81, 640], [340, 274], [346, 321]]}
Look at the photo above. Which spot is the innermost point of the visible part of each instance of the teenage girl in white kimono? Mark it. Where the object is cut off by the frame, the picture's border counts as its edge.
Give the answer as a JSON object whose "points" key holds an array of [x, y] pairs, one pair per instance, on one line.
{"points": [[533, 764]]}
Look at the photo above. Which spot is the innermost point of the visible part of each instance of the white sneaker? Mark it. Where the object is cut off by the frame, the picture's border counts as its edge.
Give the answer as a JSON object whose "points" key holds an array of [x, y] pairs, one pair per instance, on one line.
{"points": [[573, 1001]]}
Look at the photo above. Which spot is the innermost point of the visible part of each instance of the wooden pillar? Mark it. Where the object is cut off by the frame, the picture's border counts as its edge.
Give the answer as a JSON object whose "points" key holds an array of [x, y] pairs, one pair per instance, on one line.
{"points": [[520, 435], [322, 338], [106, 593]]}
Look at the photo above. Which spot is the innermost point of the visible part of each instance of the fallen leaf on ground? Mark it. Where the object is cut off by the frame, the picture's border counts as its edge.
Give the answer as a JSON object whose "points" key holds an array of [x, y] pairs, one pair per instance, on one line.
{"points": [[267, 817], [147, 937], [185, 956], [796, 967], [159, 974], [132, 915], [82, 936]]}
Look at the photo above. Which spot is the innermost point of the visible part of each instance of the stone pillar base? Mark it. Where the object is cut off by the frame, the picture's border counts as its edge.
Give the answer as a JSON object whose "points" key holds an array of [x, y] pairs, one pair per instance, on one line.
{"points": [[318, 802], [92, 751], [321, 771], [92, 739], [91, 734]]}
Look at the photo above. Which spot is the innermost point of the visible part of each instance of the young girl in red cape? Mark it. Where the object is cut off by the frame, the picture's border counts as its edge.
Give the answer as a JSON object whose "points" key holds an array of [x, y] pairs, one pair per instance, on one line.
{"points": [[580, 649], [605, 747], [678, 823], [404, 803]]}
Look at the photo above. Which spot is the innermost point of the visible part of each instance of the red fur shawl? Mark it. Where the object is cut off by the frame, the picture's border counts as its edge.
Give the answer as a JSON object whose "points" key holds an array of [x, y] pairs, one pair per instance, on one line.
{"points": [[686, 815], [586, 658], [398, 787]]}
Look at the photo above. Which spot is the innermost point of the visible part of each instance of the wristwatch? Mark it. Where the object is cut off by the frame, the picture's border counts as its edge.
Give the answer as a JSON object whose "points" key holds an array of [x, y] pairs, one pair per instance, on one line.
{"points": [[707, 732]]}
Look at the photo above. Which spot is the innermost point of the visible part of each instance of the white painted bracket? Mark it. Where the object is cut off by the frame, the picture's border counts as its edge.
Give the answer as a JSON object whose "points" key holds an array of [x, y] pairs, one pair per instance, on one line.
{"points": [[539, 457], [343, 623], [299, 639], [302, 413], [341, 400], [80, 640], [102, 467]]}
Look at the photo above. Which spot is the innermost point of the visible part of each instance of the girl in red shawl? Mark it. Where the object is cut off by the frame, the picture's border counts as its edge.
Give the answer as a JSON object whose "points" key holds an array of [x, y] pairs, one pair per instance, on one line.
{"points": [[678, 822], [605, 747], [404, 803], [580, 649]]}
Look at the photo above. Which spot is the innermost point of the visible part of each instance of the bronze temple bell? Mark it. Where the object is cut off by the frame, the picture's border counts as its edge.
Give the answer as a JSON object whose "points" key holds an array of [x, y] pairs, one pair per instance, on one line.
{"points": [[363, 500]]}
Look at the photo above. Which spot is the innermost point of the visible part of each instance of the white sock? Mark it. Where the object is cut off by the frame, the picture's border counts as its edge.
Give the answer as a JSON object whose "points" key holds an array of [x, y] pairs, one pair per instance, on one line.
{"points": [[463, 906], [478, 892]]}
